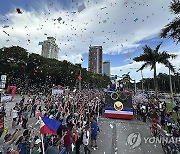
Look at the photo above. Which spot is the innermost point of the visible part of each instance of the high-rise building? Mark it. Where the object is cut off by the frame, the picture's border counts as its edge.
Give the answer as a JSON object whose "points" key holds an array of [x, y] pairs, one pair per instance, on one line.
{"points": [[50, 48], [95, 59], [106, 68]]}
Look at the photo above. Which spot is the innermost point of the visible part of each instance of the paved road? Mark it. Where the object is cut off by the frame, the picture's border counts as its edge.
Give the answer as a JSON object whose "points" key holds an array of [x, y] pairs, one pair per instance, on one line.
{"points": [[112, 138]]}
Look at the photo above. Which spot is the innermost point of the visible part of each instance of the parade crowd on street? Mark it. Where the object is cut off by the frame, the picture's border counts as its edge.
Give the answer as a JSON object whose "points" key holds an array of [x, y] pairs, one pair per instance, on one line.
{"points": [[157, 112], [76, 111]]}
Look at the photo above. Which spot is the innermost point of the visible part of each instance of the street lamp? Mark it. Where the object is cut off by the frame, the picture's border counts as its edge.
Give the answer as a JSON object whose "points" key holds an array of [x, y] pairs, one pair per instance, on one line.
{"points": [[142, 84]]}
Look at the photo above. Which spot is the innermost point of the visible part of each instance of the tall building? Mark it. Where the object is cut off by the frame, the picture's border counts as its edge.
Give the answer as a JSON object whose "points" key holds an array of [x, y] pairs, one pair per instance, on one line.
{"points": [[50, 48], [106, 68], [95, 59]]}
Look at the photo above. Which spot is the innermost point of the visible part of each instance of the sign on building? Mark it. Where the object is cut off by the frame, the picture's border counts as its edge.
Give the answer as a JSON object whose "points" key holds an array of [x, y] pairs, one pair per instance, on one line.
{"points": [[3, 78]]}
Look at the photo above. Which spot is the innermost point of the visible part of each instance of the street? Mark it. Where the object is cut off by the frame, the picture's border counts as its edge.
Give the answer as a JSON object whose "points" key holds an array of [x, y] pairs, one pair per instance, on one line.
{"points": [[113, 135]]}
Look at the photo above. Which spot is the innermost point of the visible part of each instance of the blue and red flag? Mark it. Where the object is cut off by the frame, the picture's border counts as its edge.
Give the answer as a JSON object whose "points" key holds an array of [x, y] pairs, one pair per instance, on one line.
{"points": [[49, 126]]}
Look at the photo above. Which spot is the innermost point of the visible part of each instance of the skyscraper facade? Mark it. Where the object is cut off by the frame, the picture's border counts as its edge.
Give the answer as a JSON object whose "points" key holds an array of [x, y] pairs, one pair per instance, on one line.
{"points": [[106, 68], [50, 48], [95, 59]]}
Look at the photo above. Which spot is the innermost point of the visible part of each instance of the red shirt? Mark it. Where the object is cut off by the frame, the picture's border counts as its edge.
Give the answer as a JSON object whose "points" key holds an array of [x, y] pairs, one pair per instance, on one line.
{"points": [[68, 139]]}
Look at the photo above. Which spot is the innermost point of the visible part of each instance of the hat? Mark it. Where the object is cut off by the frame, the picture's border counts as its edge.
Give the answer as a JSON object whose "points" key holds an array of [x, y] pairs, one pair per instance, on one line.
{"points": [[37, 141]]}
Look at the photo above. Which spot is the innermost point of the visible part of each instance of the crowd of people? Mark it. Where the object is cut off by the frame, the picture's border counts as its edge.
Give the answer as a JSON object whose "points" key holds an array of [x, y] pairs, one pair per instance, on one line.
{"points": [[149, 107], [78, 114], [76, 111]]}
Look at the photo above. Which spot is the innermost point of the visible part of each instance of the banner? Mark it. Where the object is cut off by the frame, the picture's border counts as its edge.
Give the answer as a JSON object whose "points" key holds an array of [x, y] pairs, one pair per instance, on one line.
{"points": [[118, 105]]}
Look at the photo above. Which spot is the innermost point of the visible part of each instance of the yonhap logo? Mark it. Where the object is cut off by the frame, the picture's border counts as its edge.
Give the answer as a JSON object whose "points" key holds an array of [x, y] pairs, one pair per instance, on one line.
{"points": [[134, 139]]}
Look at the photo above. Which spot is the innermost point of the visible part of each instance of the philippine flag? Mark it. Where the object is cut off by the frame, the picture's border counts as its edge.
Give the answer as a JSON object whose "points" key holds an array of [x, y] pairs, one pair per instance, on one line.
{"points": [[126, 113], [49, 126]]}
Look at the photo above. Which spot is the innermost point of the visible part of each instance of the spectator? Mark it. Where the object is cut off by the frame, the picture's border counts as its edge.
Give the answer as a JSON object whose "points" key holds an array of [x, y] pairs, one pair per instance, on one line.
{"points": [[9, 139], [54, 149], [36, 147], [94, 129], [86, 135], [21, 145]]}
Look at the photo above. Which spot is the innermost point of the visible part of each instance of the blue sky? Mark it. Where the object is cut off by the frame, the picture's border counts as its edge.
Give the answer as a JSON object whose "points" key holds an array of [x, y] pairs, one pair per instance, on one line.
{"points": [[122, 27]]}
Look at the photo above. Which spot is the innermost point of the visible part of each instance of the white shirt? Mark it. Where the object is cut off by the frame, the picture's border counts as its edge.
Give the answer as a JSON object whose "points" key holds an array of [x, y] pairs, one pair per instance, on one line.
{"points": [[86, 138], [14, 114]]}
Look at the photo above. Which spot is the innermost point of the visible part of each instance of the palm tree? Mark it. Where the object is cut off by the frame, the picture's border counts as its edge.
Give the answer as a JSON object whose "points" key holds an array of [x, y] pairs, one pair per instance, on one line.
{"points": [[151, 57], [172, 30]]}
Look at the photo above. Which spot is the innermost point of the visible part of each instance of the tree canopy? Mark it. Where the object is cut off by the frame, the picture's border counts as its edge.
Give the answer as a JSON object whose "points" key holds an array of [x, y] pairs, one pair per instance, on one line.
{"points": [[32, 70], [151, 57], [172, 30]]}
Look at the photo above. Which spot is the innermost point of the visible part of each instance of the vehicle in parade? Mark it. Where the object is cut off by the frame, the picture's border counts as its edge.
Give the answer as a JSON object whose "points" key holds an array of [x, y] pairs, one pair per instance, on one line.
{"points": [[118, 104], [4, 97]]}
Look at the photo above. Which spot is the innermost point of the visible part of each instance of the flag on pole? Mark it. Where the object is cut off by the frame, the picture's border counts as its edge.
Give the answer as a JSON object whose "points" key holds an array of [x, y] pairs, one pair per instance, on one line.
{"points": [[49, 126]]}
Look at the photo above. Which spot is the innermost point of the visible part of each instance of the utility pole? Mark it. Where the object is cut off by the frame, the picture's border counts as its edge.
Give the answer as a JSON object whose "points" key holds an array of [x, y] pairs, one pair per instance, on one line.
{"points": [[171, 90], [142, 82], [135, 89], [80, 81]]}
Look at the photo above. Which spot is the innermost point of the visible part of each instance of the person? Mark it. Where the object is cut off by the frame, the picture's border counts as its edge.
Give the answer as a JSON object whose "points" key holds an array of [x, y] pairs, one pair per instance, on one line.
{"points": [[14, 114], [170, 122], [176, 108], [68, 140], [178, 123], [94, 129], [24, 118], [79, 139], [36, 147], [54, 149], [9, 140], [21, 145], [155, 123], [86, 135], [33, 110], [144, 115], [1, 124]]}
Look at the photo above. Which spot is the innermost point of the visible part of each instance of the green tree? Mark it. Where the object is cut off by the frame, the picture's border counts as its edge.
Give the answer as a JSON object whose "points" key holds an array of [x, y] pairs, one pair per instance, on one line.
{"points": [[172, 30], [151, 57]]}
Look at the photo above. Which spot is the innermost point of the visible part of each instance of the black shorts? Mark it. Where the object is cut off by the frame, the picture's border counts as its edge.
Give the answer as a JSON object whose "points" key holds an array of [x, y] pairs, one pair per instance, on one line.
{"points": [[93, 137], [14, 119]]}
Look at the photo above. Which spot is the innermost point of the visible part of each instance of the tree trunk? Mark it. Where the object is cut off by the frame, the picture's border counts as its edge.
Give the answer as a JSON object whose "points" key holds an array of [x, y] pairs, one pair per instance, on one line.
{"points": [[155, 81]]}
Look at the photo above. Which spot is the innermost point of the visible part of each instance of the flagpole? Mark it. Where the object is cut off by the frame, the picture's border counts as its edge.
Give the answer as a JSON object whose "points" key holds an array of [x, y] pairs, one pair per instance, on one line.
{"points": [[42, 143], [171, 90], [80, 82]]}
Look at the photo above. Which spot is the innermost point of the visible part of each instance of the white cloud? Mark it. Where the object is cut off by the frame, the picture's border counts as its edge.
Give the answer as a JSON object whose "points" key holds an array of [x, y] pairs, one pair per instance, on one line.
{"points": [[132, 68], [80, 30]]}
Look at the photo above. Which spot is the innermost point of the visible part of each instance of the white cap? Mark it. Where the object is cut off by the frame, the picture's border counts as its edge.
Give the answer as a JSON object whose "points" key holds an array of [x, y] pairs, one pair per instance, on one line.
{"points": [[37, 141]]}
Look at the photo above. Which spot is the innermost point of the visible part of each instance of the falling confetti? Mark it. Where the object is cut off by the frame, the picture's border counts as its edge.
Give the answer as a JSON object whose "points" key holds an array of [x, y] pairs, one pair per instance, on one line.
{"points": [[81, 8], [59, 19], [111, 126], [136, 19], [103, 8], [6, 26], [104, 21], [5, 32], [18, 11]]}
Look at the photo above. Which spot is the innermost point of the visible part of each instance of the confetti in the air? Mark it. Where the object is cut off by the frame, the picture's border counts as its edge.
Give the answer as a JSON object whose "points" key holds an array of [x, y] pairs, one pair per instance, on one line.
{"points": [[81, 8], [19, 11]]}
